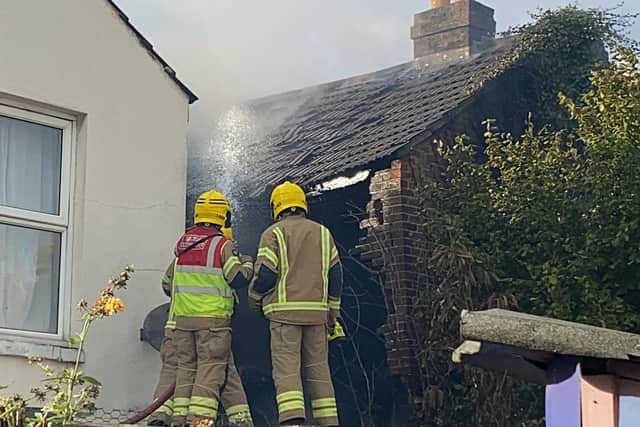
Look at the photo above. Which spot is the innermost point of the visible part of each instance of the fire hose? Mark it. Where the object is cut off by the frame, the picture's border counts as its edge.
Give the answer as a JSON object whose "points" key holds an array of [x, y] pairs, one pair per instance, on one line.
{"points": [[153, 331], [157, 402], [337, 335]]}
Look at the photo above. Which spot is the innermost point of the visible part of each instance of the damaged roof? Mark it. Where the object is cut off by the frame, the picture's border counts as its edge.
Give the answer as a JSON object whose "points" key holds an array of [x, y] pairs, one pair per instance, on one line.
{"points": [[149, 48], [341, 127]]}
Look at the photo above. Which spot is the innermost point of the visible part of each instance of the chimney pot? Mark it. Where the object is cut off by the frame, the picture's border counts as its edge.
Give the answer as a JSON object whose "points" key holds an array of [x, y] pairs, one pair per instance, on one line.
{"points": [[439, 3]]}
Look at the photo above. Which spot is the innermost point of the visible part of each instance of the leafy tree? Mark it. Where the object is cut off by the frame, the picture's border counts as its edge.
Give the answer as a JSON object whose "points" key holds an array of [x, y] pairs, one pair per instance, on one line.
{"points": [[547, 223], [559, 48]]}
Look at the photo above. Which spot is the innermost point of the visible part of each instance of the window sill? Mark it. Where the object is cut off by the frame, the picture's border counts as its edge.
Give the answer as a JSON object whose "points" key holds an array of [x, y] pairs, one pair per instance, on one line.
{"points": [[18, 347]]}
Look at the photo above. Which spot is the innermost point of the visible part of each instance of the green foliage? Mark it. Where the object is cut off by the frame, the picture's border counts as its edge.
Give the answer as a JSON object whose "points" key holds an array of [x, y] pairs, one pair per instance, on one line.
{"points": [[564, 210], [68, 393], [558, 49], [460, 225], [548, 223]]}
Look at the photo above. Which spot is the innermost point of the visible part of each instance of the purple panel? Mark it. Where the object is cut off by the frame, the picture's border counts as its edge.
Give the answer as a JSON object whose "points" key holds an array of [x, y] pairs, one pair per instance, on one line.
{"points": [[562, 400], [629, 411]]}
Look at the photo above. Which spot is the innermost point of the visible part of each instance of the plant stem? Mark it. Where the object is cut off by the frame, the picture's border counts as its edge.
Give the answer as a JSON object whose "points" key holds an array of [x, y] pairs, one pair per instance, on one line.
{"points": [[74, 373]]}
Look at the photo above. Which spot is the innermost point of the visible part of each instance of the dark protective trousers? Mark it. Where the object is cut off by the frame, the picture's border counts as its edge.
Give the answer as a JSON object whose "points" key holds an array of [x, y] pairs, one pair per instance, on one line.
{"points": [[300, 357]]}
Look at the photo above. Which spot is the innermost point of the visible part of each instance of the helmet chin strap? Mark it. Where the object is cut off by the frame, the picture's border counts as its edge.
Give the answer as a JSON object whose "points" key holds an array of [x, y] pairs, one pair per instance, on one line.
{"points": [[208, 225], [294, 211]]}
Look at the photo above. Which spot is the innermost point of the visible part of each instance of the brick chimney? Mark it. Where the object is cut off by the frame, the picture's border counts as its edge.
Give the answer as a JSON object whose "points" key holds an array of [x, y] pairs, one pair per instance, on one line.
{"points": [[450, 31]]}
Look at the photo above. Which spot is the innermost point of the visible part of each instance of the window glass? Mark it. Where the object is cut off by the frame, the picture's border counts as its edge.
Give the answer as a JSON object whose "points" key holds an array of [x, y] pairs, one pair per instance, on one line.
{"points": [[30, 165], [29, 278]]}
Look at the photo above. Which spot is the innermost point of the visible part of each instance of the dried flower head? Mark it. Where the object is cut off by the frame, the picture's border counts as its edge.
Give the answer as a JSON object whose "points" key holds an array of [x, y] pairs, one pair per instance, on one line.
{"points": [[52, 387], [93, 391], [18, 399], [39, 394], [113, 305], [34, 360]]}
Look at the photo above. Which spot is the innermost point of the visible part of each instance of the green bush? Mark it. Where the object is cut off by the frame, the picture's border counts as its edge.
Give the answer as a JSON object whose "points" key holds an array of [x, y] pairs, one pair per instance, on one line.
{"points": [[548, 223]]}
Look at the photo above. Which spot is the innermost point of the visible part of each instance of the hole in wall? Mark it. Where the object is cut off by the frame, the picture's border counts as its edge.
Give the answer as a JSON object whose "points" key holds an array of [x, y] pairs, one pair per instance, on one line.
{"points": [[377, 211]]}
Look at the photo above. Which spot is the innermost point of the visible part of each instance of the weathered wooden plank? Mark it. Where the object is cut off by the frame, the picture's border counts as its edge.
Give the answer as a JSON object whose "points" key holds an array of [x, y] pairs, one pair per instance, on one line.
{"points": [[624, 369], [504, 359], [545, 334]]}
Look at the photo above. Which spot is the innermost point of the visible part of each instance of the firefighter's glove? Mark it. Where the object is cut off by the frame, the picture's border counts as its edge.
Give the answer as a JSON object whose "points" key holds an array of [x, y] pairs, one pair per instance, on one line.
{"points": [[246, 259], [332, 317], [234, 247], [255, 304]]}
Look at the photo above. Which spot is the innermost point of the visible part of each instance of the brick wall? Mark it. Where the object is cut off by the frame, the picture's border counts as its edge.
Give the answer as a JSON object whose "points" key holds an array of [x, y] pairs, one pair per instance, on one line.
{"points": [[391, 244]]}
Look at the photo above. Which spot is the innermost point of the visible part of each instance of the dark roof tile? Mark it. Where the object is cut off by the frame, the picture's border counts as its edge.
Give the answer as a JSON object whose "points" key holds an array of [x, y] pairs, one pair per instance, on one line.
{"points": [[149, 48], [351, 123]]}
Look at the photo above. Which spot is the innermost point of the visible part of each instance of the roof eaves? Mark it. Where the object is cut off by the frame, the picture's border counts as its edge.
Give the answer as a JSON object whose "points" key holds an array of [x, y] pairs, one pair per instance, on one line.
{"points": [[149, 48], [544, 334]]}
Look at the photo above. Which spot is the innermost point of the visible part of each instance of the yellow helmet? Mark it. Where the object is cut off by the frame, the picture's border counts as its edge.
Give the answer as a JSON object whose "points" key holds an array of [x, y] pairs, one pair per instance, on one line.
{"points": [[213, 208], [287, 195], [227, 232]]}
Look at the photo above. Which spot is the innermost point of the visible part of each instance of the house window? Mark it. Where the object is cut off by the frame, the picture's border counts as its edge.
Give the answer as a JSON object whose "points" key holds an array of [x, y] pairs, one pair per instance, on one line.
{"points": [[35, 163]]}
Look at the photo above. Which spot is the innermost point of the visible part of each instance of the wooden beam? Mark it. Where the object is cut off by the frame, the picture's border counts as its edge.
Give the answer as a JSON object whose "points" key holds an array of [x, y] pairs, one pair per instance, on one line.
{"points": [[624, 369], [544, 334], [513, 361]]}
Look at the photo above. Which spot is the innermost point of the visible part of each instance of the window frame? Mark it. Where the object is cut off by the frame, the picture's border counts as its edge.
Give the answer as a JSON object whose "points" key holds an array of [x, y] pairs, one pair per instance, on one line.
{"points": [[61, 223]]}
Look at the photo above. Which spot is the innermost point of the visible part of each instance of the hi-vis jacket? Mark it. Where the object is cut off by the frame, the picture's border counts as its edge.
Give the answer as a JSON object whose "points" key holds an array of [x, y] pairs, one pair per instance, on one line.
{"points": [[167, 287], [205, 272], [298, 272]]}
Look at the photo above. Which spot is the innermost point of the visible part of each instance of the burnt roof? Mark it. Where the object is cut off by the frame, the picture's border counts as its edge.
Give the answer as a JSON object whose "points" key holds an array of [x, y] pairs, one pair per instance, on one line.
{"points": [[149, 48], [339, 127]]}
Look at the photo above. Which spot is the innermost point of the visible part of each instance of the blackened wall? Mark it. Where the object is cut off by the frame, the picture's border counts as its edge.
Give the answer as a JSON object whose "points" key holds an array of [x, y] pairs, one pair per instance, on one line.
{"points": [[393, 236], [361, 377]]}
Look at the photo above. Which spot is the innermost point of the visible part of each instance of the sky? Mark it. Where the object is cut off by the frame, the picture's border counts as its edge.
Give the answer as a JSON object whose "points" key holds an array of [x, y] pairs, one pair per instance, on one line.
{"points": [[228, 51]]}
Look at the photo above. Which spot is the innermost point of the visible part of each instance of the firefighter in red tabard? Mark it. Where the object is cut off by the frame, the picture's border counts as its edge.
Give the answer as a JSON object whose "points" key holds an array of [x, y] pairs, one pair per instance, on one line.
{"points": [[207, 270], [233, 396]]}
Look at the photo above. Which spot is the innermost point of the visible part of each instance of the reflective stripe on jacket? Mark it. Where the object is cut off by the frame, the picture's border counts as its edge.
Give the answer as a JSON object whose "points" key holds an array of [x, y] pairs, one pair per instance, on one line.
{"points": [[301, 252], [199, 285], [167, 286]]}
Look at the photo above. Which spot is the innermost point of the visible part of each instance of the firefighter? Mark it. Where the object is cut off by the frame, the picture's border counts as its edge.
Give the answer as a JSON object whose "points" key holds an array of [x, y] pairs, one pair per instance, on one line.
{"points": [[298, 283], [162, 415], [233, 397], [207, 270]]}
